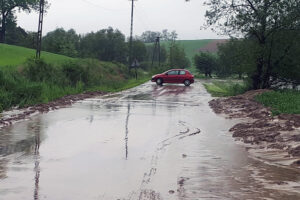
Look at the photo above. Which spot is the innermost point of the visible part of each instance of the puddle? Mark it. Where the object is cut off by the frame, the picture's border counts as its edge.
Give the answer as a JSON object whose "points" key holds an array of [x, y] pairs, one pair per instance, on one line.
{"points": [[149, 143]]}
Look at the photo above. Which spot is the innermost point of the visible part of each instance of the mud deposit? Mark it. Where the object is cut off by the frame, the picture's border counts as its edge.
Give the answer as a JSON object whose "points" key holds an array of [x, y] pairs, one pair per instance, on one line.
{"points": [[13, 116], [146, 143], [276, 139]]}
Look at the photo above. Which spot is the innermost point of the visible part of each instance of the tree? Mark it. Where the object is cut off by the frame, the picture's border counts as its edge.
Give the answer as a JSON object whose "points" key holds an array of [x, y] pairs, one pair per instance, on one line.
{"points": [[106, 44], [177, 56], [139, 50], [62, 42], [7, 8], [286, 64], [16, 35], [150, 36], [165, 35], [235, 57], [206, 63], [260, 20]]}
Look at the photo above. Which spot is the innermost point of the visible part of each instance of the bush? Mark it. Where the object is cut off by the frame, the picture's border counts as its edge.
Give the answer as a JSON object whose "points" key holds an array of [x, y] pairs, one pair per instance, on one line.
{"points": [[37, 70], [75, 73]]}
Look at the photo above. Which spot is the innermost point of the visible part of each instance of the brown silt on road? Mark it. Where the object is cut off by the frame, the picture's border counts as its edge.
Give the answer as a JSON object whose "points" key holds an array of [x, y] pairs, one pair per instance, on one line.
{"points": [[147, 143]]}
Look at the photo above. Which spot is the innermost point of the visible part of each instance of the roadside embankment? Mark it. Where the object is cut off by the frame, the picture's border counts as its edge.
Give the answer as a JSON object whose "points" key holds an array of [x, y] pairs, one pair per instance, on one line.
{"points": [[272, 138]]}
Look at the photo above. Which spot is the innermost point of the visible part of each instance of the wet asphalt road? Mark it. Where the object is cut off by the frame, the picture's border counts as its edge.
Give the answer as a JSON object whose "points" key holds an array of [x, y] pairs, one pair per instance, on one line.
{"points": [[147, 143]]}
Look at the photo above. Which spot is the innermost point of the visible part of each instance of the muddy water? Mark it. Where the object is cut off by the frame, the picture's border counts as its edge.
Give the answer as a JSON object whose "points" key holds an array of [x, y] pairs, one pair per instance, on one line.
{"points": [[147, 143]]}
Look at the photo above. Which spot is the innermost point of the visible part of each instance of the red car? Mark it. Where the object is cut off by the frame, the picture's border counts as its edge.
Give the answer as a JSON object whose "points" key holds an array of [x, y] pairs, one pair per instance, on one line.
{"points": [[174, 76]]}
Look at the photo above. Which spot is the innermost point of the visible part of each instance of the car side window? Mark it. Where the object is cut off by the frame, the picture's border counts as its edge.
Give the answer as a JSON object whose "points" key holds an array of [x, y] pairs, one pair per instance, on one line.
{"points": [[182, 73], [173, 72]]}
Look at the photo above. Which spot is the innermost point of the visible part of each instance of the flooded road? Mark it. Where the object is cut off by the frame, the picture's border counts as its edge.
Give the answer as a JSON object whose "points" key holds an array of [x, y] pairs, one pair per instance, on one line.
{"points": [[147, 143]]}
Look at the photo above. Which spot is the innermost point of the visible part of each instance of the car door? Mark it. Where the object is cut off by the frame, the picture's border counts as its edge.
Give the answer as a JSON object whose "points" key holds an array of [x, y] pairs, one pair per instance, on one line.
{"points": [[181, 76], [172, 76]]}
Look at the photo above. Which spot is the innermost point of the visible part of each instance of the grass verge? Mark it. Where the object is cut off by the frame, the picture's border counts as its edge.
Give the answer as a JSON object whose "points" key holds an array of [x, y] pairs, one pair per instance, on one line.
{"points": [[225, 88], [281, 101]]}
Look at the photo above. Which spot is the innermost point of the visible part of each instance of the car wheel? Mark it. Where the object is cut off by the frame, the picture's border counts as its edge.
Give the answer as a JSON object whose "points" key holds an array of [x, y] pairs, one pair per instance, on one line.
{"points": [[159, 81], [187, 82]]}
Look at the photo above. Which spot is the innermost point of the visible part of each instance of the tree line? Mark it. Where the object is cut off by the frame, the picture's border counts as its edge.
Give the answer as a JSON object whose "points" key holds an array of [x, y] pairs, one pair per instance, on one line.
{"points": [[105, 45]]}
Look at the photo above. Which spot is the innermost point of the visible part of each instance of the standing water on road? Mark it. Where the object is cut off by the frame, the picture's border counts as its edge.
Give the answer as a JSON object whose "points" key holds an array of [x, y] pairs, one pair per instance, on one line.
{"points": [[147, 143]]}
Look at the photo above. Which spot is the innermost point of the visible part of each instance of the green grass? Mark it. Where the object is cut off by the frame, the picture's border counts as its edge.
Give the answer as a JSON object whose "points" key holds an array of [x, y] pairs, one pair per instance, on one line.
{"points": [[281, 101], [226, 88], [191, 48], [15, 56]]}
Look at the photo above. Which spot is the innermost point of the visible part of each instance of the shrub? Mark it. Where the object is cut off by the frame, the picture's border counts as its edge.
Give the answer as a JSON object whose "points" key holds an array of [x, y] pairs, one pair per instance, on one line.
{"points": [[75, 72], [38, 70]]}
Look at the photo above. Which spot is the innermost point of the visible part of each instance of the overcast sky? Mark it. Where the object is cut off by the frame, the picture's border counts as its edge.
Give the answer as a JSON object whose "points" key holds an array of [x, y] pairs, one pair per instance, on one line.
{"points": [[92, 15]]}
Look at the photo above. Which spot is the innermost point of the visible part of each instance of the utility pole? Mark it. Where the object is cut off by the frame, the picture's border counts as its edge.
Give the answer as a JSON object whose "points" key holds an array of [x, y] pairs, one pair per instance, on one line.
{"points": [[156, 47], [131, 32], [40, 29]]}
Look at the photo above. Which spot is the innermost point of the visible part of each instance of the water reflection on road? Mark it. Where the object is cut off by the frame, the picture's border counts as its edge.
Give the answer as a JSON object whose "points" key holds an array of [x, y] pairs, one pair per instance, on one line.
{"points": [[147, 143]]}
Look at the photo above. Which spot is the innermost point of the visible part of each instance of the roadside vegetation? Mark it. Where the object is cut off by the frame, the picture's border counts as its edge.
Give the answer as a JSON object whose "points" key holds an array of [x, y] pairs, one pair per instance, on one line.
{"points": [[281, 101], [41, 82], [225, 88]]}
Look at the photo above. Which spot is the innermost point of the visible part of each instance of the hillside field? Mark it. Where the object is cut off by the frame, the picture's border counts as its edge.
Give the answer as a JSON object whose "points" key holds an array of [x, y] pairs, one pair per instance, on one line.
{"points": [[14, 56], [193, 47]]}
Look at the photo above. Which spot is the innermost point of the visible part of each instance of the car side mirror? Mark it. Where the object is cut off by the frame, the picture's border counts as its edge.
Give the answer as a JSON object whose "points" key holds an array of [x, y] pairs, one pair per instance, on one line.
{"points": [[166, 74]]}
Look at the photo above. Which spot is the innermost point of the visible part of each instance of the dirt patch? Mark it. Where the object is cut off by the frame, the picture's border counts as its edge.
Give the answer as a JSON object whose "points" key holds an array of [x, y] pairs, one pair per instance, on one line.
{"points": [[44, 108], [259, 127]]}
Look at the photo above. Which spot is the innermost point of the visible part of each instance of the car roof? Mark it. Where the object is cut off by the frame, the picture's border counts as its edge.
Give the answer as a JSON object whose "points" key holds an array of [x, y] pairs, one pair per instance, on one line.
{"points": [[178, 69]]}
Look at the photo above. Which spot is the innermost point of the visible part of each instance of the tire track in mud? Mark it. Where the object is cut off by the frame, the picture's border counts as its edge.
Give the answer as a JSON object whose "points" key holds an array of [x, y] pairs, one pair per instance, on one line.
{"points": [[148, 194]]}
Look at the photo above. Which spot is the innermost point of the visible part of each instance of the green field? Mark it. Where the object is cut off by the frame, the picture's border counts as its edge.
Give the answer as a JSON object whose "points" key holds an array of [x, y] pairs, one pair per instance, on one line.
{"points": [[14, 56], [191, 47]]}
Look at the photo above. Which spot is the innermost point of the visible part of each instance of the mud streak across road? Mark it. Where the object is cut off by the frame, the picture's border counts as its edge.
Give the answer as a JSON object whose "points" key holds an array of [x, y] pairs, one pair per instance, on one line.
{"points": [[147, 143]]}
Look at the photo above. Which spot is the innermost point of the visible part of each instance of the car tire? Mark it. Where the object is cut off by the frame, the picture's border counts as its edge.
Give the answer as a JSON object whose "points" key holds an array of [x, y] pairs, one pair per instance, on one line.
{"points": [[159, 81], [187, 82]]}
